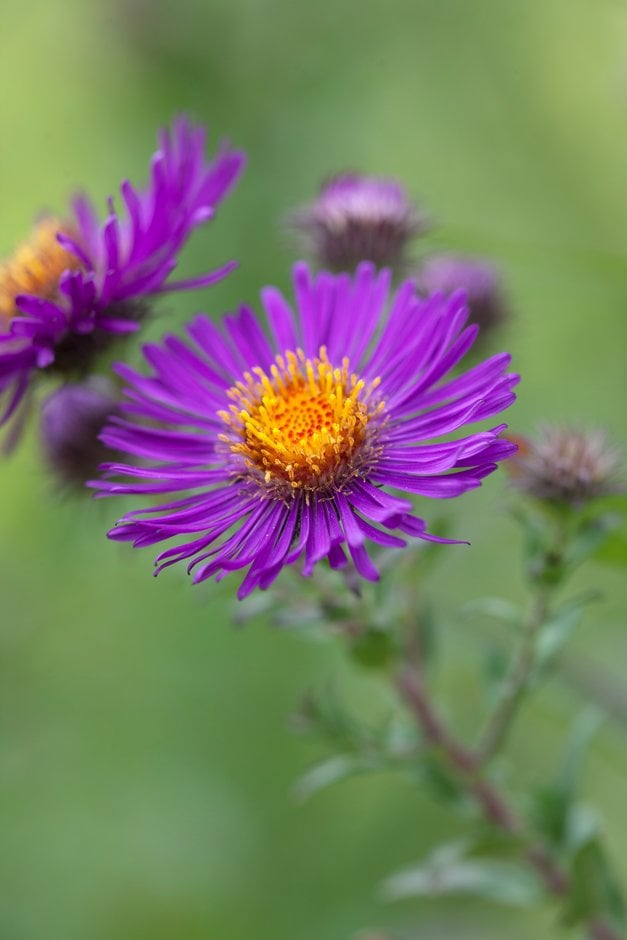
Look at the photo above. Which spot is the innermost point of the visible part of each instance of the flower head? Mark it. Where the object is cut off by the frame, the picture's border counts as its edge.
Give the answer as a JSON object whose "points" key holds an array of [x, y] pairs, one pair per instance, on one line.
{"points": [[289, 444], [566, 466], [72, 418], [359, 218], [78, 282], [479, 279]]}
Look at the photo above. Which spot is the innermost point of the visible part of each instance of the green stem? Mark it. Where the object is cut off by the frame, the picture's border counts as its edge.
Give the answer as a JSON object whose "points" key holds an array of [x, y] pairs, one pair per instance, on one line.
{"points": [[499, 723]]}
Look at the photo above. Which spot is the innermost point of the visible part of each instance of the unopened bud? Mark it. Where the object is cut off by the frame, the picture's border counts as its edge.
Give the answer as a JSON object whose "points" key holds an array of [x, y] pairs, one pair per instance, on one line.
{"points": [[71, 420], [566, 466], [478, 278], [359, 218]]}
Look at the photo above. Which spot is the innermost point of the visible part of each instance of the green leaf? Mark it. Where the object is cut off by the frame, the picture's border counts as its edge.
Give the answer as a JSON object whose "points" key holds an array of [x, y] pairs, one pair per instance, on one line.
{"points": [[448, 871], [494, 668], [255, 605], [431, 552], [496, 608], [373, 648], [550, 807], [426, 635], [590, 538], [556, 633], [543, 565], [613, 551], [334, 770], [584, 729], [438, 780], [583, 826], [325, 714], [561, 821], [594, 891]]}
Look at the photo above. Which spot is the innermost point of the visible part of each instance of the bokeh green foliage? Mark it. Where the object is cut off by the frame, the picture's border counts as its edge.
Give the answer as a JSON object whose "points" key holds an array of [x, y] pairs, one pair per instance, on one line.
{"points": [[145, 763]]}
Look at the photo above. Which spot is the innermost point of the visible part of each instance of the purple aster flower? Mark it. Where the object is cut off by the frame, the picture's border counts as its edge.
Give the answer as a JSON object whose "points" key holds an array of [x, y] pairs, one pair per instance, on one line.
{"points": [[72, 418], [80, 282], [479, 279], [359, 218], [304, 443]]}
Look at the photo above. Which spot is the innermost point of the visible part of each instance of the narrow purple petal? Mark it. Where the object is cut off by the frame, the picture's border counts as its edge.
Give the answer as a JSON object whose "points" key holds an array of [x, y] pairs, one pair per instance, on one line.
{"points": [[231, 505]]}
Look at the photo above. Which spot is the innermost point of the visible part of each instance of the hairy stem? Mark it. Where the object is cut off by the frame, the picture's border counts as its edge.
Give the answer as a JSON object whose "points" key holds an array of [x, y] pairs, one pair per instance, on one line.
{"points": [[601, 930], [495, 806], [410, 684]]}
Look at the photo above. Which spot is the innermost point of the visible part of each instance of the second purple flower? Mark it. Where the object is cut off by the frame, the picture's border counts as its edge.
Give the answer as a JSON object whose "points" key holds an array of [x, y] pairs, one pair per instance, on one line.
{"points": [[79, 282]]}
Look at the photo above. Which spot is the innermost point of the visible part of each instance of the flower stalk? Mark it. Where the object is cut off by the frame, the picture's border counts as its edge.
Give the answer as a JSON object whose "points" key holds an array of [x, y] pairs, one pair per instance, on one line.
{"points": [[467, 765], [569, 862], [515, 683]]}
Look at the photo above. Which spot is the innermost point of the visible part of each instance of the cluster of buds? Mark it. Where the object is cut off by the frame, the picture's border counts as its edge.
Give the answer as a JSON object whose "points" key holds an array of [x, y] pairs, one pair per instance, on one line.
{"points": [[359, 218]]}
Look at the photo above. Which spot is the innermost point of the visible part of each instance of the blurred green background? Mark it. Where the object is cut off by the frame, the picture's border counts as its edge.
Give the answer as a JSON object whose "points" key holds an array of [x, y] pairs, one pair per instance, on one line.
{"points": [[146, 762]]}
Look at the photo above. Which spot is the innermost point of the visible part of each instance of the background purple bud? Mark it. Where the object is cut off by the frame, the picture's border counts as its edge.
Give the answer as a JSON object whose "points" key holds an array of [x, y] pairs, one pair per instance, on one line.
{"points": [[359, 218], [71, 420], [477, 277]]}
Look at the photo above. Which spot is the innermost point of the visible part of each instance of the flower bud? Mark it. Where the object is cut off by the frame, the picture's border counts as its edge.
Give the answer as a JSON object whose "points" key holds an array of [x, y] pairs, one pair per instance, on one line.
{"points": [[478, 278], [359, 218], [566, 466], [71, 420]]}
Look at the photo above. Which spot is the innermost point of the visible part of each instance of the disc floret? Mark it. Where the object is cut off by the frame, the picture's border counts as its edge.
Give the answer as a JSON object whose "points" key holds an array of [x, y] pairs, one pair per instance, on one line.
{"points": [[35, 267], [306, 426]]}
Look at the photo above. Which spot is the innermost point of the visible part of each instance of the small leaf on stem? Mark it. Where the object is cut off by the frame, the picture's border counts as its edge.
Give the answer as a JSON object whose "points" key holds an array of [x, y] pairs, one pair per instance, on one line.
{"points": [[449, 871], [559, 628], [334, 770], [594, 890]]}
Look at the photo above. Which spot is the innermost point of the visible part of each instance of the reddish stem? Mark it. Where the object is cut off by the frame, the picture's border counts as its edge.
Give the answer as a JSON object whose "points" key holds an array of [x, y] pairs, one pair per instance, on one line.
{"points": [[496, 809]]}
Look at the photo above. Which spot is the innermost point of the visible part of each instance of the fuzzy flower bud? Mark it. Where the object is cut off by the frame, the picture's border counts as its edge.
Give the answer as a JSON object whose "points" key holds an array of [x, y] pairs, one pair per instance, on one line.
{"points": [[478, 278], [566, 466], [71, 420], [359, 218]]}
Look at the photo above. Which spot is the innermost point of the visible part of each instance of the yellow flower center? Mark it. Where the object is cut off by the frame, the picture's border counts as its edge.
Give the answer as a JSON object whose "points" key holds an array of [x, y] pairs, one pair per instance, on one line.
{"points": [[305, 426], [34, 268]]}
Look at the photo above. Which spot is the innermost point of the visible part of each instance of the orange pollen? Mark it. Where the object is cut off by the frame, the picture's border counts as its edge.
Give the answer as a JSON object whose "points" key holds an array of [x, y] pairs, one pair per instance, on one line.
{"points": [[305, 426], [35, 267]]}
